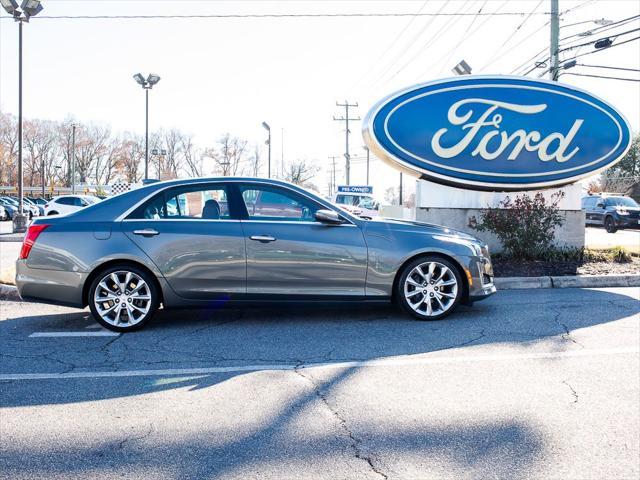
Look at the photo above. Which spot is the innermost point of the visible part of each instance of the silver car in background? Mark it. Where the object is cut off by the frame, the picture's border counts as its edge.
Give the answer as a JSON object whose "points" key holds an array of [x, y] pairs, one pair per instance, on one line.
{"points": [[214, 241]]}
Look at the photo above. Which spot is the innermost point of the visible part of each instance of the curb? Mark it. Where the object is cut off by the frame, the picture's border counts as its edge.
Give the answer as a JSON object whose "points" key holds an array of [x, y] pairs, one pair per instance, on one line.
{"points": [[9, 293], [570, 281], [11, 237]]}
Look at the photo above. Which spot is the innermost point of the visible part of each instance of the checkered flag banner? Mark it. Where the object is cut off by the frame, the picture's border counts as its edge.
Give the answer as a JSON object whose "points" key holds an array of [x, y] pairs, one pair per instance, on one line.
{"points": [[120, 187]]}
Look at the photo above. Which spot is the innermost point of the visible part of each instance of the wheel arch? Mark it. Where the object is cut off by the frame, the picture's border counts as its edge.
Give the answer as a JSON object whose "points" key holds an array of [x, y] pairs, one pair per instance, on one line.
{"points": [[110, 263], [456, 264]]}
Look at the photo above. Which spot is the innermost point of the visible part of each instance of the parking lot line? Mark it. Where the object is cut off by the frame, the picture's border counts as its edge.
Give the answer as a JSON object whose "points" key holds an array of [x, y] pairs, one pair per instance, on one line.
{"points": [[393, 362], [101, 333]]}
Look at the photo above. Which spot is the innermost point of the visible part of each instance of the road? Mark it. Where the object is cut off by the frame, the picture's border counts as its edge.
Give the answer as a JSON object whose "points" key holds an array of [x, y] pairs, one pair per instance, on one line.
{"points": [[534, 384]]}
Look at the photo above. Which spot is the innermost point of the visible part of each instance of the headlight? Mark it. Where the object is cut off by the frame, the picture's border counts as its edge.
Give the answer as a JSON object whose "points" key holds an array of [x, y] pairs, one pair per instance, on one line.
{"points": [[623, 212]]}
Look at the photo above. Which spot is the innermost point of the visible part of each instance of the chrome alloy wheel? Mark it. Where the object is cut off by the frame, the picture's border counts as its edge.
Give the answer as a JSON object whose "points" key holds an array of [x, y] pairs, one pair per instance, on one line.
{"points": [[122, 298], [431, 289]]}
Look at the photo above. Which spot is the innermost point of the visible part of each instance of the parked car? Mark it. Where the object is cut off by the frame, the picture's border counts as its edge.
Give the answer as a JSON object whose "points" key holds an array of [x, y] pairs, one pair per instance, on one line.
{"points": [[358, 203], [3, 214], [27, 208], [224, 240], [9, 208], [31, 203], [613, 211], [68, 203]]}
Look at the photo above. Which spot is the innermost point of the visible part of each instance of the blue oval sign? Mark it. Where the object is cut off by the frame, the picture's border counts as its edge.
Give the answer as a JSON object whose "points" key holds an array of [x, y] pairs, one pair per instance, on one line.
{"points": [[497, 132]]}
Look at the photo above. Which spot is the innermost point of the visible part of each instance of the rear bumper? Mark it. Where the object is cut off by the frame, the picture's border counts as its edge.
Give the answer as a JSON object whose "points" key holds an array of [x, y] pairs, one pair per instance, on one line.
{"points": [[49, 286]]}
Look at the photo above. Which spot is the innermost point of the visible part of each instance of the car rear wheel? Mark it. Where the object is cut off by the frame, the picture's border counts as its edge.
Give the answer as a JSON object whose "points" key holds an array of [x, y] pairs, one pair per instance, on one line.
{"points": [[610, 225], [123, 298], [429, 288]]}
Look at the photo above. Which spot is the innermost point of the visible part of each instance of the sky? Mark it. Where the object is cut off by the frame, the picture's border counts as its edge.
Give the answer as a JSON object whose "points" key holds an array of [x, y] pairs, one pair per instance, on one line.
{"points": [[231, 74]]}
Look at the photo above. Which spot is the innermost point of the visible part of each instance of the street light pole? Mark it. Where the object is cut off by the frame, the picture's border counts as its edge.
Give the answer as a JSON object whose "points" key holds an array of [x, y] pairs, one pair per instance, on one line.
{"points": [[147, 84], [146, 135], [29, 8], [20, 173]]}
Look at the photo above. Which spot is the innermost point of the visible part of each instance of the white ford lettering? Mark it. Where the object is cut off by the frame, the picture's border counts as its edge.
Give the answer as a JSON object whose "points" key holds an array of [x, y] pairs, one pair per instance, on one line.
{"points": [[519, 139]]}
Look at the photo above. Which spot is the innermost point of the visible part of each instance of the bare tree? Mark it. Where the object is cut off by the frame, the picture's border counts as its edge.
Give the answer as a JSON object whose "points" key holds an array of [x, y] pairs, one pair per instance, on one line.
{"points": [[8, 148], [301, 172], [132, 157], [193, 160], [227, 155], [255, 162], [40, 150]]}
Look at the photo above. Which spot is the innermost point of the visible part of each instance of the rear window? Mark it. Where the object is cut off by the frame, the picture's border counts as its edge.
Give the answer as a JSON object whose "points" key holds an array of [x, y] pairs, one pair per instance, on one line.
{"points": [[66, 201]]}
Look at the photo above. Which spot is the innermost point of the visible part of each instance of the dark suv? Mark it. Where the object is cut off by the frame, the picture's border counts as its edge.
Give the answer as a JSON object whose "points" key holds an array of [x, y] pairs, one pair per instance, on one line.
{"points": [[611, 211]]}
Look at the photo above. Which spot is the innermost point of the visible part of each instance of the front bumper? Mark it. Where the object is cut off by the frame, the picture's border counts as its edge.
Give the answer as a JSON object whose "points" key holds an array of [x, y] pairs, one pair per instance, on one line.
{"points": [[626, 222], [479, 271]]}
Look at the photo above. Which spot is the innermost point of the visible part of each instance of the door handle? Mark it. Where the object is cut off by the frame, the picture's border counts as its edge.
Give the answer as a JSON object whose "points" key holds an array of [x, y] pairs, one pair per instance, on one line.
{"points": [[147, 232], [262, 238]]}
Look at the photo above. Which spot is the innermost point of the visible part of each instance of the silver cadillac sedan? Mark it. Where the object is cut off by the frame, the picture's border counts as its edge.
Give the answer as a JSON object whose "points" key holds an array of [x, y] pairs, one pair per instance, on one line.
{"points": [[214, 241]]}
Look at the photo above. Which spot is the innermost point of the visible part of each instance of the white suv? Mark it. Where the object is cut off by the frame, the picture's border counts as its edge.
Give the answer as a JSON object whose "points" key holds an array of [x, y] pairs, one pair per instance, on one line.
{"points": [[68, 203]]}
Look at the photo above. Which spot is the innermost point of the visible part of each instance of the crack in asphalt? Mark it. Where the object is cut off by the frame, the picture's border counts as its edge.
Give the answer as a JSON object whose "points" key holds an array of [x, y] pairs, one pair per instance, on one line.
{"points": [[567, 333], [355, 441], [122, 443], [573, 391]]}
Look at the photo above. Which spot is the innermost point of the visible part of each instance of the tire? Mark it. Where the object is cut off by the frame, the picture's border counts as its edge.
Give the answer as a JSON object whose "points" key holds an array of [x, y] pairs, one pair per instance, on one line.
{"points": [[440, 282], [610, 225], [140, 302]]}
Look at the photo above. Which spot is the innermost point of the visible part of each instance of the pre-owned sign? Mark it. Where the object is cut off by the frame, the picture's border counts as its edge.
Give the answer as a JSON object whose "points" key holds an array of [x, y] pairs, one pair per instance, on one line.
{"points": [[497, 132]]}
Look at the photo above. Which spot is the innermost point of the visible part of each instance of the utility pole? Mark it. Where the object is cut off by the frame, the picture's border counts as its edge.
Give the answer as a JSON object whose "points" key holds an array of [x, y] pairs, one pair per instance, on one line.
{"points": [[346, 119], [43, 187], [553, 48], [400, 192], [367, 150], [333, 174]]}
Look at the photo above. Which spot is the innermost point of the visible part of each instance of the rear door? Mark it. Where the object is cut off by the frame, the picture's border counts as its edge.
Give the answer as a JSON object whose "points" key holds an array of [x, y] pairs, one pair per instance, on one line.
{"points": [[194, 237]]}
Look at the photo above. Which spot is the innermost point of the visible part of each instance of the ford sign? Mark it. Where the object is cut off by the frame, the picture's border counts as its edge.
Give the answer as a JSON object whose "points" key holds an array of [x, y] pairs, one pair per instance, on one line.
{"points": [[497, 133]]}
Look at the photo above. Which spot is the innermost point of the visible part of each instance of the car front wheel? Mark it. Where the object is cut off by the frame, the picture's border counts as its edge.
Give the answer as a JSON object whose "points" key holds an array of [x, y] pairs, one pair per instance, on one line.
{"points": [[123, 298], [429, 288], [610, 225]]}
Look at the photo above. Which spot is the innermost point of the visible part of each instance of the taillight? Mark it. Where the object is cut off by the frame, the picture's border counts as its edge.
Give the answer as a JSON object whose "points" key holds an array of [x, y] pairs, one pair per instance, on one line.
{"points": [[30, 238]]}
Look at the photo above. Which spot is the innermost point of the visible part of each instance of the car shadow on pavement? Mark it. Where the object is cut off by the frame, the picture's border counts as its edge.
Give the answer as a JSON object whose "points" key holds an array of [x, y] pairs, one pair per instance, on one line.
{"points": [[289, 337], [498, 448]]}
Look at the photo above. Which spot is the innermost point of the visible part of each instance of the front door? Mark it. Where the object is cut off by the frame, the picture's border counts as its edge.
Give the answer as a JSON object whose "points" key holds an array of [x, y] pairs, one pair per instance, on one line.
{"points": [[194, 238], [290, 253]]}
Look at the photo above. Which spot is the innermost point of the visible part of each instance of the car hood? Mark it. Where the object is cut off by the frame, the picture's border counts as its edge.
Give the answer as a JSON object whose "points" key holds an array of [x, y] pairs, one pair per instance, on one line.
{"points": [[413, 225]]}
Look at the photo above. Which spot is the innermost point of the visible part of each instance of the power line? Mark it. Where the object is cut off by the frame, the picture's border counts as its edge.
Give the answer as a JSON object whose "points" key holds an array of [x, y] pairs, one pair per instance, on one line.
{"points": [[608, 67], [274, 15], [591, 32], [391, 45], [601, 76], [426, 44], [594, 41], [514, 33]]}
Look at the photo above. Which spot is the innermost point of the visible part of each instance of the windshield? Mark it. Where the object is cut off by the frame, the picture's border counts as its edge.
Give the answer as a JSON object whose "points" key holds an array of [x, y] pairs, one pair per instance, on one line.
{"points": [[352, 200], [621, 202]]}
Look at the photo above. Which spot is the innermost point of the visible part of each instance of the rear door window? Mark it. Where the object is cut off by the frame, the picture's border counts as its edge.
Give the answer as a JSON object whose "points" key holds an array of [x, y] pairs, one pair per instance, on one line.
{"points": [[200, 202]]}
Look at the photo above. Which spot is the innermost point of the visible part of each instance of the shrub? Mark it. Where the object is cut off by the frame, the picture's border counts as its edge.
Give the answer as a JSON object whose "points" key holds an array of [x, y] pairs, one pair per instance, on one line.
{"points": [[621, 255], [524, 225]]}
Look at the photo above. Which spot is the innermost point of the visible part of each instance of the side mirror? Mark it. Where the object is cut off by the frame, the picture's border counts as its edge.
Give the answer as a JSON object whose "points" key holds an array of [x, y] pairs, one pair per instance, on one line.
{"points": [[328, 216]]}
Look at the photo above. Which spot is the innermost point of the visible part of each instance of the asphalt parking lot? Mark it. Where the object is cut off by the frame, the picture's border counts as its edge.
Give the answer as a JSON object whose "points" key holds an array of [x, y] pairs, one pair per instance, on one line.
{"points": [[528, 384]]}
